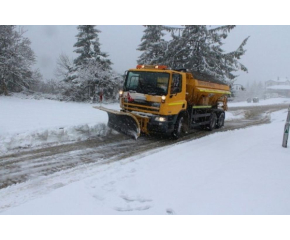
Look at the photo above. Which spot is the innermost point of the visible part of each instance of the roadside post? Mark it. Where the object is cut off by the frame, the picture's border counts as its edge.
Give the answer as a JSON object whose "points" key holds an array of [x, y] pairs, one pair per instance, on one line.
{"points": [[101, 97], [286, 130]]}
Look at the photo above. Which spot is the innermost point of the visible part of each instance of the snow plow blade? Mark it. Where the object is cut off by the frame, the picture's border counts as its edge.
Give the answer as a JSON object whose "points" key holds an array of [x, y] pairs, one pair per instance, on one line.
{"points": [[122, 122]]}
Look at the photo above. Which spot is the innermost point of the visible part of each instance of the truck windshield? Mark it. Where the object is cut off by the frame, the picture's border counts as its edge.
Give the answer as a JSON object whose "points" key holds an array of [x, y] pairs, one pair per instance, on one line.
{"points": [[152, 83]]}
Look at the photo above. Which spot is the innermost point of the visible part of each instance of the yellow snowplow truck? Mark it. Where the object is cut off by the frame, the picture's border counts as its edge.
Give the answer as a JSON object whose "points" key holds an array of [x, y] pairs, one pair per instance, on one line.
{"points": [[158, 100]]}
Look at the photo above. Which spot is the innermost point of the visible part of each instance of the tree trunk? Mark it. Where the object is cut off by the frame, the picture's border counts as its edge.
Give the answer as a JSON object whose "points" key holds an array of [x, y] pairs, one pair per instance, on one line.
{"points": [[4, 87]]}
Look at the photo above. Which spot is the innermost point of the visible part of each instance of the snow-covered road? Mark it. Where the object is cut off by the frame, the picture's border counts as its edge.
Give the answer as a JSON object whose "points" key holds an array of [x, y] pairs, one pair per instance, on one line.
{"points": [[41, 162], [243, 171]]}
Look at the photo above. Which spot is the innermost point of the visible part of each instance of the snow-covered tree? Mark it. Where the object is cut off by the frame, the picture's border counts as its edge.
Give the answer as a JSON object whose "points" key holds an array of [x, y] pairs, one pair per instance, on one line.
{"points": [[85, 77], [95, 81], [16, 60], [153, 45], [88, 47], [90, 69], [199, 49], [36, 80], [230, 62], [65, 68]]}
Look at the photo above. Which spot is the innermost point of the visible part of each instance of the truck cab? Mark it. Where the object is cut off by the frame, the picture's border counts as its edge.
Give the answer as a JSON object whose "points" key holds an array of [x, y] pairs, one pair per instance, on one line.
{"points": [[156, 95]]}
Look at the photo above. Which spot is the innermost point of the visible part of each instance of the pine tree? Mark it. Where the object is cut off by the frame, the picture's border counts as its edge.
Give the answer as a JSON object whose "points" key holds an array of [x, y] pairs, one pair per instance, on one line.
{"points": [[173, 55], [199, 49], [88, 47], [91, 72], [91, 64], [152, 45], [231, 63], [16, 60]]}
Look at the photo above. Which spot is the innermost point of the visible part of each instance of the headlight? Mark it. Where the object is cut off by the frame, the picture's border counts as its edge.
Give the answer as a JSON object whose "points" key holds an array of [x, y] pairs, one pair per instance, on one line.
{"points": [[121, 93], [163, 98], [160, 119]]}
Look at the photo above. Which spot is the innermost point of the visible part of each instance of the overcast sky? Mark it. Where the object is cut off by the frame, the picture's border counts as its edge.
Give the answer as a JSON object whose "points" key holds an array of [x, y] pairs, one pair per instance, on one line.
{"points": [[267, 56]]}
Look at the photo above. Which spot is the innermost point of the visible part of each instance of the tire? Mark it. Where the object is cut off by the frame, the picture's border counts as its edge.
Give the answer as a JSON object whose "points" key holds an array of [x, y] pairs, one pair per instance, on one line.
{"points": [[221, 120], [180, 128], [212, 121]]}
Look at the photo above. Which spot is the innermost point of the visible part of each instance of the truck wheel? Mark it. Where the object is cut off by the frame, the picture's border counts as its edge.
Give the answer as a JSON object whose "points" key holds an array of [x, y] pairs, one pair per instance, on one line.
{"points": [[212, 121], [221, 120], [180, 128]]}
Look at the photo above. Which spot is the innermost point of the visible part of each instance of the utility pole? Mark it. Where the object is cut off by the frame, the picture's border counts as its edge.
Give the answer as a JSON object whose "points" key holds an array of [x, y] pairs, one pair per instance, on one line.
{"points": [[286, 130]]}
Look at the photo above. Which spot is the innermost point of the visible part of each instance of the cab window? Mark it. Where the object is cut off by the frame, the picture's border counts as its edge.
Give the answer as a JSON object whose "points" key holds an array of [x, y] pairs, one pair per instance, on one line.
{"points": [[176, 84]]}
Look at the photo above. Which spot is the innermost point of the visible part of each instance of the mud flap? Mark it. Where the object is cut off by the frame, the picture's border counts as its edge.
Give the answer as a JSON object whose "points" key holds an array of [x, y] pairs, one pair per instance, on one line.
{"points": [[122, 122]]}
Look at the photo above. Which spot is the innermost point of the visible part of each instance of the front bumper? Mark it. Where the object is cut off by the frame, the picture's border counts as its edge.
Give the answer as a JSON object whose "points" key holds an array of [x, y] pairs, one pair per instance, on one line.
{"points": [[161, 127]]}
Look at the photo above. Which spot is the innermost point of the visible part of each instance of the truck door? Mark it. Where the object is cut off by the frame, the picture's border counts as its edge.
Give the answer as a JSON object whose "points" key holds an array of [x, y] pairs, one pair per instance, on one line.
{"points": [[177, 94]]}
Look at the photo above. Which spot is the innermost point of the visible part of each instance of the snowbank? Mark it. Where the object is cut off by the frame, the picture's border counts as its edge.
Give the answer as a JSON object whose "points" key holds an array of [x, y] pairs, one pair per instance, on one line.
{"points": [[27, 122]]}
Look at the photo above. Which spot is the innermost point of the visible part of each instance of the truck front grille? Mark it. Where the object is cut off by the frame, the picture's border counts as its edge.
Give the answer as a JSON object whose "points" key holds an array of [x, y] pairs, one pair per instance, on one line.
{"points": [[148, 107]]}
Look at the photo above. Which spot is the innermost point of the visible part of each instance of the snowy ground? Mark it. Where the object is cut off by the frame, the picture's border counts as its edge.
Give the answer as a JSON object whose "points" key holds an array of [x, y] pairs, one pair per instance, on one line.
{"points": [[261, 102], [245, 172], [240, 172], [236, 172]]}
